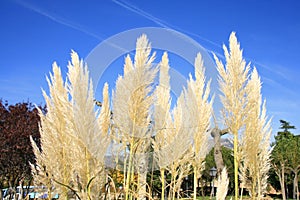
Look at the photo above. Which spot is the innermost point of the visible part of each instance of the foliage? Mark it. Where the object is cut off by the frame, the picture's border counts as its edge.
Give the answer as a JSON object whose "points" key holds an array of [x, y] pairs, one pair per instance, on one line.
{"points": [[17, 123], [285, 126], [282, 146], [285, 156]]}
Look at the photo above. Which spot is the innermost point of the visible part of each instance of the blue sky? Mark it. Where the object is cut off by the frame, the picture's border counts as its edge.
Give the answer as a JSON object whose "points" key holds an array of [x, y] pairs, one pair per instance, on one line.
{"points": [[36, 33]]}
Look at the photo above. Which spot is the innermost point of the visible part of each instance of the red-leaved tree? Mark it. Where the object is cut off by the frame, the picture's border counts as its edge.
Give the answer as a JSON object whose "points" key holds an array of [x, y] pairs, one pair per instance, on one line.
{"points": [[17, 123]]}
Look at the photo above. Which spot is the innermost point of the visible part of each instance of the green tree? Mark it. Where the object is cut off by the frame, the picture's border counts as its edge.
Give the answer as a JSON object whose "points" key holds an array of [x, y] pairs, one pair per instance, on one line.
{"points": [[286, 126], [294, 164], [292, 154], [283, 153]]}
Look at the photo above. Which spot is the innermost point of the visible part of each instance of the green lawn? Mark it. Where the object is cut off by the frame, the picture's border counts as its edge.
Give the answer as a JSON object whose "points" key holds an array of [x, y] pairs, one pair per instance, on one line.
{"points": [[208, 198], [227, 198]]}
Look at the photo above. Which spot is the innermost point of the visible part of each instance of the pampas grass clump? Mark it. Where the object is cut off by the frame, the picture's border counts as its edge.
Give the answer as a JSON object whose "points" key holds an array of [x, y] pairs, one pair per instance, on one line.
{"points": [[70, 160], [75, 135], [132, 100], [246, 119], [255, 142]]}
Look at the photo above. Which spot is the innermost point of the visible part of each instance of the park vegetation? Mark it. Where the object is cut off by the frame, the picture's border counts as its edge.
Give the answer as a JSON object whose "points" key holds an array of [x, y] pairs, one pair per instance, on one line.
{"points": [[145, 134], [18, 123]]}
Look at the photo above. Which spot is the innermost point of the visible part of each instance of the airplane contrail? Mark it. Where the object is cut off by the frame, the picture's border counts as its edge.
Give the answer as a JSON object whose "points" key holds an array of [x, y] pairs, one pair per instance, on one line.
{"points": [[142, 13], [67, 23], [131, 7], [57, 19], [158, 21]]}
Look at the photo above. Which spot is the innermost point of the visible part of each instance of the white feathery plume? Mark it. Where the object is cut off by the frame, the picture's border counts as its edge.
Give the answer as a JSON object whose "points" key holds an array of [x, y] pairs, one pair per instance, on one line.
{"points": [[90, 128], [132, 101], [71, 133], [128, 66], [255, 147], [57, 149], [191, 106], [174, 154], [86, 127], [200, 109], [131, 98], [179, 137], [198, 96], [265, 155], [223, 182], [162, 116], [232, 82], [242, 104]]}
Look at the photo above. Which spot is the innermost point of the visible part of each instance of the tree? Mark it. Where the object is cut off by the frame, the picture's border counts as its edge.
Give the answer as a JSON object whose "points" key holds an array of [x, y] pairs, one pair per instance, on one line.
{"points": [[282, 153], [292, 153], [216, 133], [17, 123], [285, 126], [294, 164]]}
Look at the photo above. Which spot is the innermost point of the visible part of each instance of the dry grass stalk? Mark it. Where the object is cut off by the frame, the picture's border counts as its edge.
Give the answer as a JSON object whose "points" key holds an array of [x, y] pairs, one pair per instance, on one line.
{"points": [[223, 182], [162, 118], [176, 155], [172, 135], [179, 169], [189, 125], [132, 101], [71, 133], [255, 142], [197, 99], [245, 116], [232, 81]]}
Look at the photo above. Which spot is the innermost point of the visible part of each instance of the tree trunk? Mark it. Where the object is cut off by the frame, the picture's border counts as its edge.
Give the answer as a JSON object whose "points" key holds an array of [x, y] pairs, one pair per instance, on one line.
{"points": [[195, 184], [295, 185], [216, 134], [282, 184], [297, 188], [280, 173]]}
